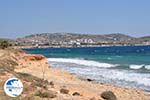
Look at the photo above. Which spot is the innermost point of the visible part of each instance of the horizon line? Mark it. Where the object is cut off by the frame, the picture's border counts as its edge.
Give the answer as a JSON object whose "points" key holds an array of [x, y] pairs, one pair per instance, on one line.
{"points": [[82, 33]]}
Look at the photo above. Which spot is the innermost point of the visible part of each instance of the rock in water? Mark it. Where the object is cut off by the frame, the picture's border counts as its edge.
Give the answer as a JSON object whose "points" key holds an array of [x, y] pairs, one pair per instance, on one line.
{"points": [[89, 80], [108, 95]]}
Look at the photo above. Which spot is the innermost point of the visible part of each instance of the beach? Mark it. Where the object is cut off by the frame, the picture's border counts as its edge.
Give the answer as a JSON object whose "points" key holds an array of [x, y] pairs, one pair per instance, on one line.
{"points": [[85, 89], [126, 66]]}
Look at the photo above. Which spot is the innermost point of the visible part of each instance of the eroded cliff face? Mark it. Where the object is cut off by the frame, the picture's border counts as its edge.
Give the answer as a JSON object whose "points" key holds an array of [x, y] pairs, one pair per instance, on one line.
{"points": [[43, 82], [12, 60]]}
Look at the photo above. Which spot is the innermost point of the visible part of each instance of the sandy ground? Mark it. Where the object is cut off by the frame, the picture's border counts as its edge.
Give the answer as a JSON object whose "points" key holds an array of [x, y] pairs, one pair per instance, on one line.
{"points": [[39, 67]]}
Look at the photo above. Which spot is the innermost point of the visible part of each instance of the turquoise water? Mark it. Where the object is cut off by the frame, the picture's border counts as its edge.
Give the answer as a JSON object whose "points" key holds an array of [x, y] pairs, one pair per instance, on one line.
{"points": [[126, 66]]}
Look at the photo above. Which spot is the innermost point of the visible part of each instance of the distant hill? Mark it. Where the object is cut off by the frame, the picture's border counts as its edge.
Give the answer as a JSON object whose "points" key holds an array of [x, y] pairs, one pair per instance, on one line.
{"points": [[65, 39], [3, 39], [144, 39]]}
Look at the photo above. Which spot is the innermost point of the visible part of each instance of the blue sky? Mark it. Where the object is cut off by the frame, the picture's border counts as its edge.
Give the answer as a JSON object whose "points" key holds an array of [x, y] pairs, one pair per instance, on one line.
{"points": [[22, 17]]}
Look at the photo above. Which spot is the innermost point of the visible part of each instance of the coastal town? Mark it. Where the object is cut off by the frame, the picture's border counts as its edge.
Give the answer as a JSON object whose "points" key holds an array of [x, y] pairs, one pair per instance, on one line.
{"points": [[80, 40]]}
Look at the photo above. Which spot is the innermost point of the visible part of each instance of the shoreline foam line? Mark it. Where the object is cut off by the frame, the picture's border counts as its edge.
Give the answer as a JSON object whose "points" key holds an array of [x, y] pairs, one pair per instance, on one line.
{"points": [[120, 77], [83, 62]]}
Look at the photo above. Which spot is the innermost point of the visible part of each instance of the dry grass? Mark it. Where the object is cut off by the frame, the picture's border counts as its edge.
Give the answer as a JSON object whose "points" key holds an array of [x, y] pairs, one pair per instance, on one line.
{"points": [[46, 94], [33, 79]]}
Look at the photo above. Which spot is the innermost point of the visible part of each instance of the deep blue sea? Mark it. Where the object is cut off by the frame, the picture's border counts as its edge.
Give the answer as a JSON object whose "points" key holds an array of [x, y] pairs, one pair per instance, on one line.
{"points": [[127, 66]]}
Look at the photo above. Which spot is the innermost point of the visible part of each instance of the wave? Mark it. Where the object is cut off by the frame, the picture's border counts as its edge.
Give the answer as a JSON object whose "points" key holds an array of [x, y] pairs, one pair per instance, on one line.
{"points": [[136, 66], [83, 62], [139, 67], [147, 67], [120, 77], [116, 76], [127, 78]]}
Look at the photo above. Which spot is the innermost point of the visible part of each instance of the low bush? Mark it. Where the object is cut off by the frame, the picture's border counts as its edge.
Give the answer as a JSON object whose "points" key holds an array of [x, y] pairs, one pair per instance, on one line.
{"points": [[4, 44], [35, 80]]}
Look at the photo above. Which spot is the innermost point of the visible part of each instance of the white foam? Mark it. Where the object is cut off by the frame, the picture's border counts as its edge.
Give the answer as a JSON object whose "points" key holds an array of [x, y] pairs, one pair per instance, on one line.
{"points": [[127, 78], [147, 67], [121, 77], [82, 62], [136, 66], [140, 79]]}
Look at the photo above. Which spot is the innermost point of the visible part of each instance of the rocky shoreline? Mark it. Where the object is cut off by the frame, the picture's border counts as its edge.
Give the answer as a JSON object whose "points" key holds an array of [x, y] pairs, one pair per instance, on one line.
{"points": [[43, 82]]}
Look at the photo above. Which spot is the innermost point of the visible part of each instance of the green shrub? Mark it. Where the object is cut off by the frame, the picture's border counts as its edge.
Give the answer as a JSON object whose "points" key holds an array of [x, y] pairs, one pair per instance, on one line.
{"points": [[4, 44]]}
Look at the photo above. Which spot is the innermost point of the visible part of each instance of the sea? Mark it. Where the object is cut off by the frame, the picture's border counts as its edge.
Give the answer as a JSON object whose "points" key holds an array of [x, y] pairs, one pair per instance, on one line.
{"points": [[127, 66]]}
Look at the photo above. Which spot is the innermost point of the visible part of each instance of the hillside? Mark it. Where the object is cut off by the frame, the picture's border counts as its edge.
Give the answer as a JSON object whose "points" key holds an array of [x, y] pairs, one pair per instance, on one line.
{"points": [[144, 39], [6, 39], [79, 40]]}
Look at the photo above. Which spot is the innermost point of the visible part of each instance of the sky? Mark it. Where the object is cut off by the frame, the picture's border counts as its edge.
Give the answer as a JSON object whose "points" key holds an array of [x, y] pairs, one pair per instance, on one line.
{"points": [[19, 18]]}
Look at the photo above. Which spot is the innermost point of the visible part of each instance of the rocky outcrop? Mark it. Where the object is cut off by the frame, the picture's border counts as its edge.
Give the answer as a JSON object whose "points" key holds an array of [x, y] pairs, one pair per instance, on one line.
{"points": [[33, 57]]}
